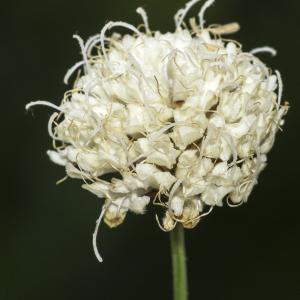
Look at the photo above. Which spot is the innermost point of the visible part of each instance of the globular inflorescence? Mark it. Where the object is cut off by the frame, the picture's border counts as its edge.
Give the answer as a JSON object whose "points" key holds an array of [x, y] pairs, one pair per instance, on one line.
{"points": [[182, 119]]}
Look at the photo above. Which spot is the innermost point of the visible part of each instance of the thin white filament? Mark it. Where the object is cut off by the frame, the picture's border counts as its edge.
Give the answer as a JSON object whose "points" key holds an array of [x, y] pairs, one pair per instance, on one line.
{"points": [[280, 87], [82, 48], [181, 13], [207, 213], [50, 131], [235, 204], [267, 49], [161, 227], [205, 6], [110, 25], [90, 43], [72, 70], [156, 135], [41, 102], [175, 187], [144, 16], [230, 143], [97, 254], [102, 38]]}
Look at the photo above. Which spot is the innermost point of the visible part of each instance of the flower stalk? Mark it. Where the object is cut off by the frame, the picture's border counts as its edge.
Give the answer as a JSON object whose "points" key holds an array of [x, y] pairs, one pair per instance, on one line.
{"points": [[180, 283]]}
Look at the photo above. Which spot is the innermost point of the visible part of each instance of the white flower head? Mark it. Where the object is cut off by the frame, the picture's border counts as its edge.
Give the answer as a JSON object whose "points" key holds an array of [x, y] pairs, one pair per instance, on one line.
{"points": [[184, 119]]}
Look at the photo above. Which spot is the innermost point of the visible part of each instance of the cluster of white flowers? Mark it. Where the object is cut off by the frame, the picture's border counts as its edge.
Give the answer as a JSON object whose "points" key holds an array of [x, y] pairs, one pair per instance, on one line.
{"points": [[184, 119]]}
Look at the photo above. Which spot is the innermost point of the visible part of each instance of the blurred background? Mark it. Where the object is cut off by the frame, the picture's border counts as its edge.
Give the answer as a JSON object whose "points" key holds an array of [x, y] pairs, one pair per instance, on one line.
{"points": [[250, 252]]}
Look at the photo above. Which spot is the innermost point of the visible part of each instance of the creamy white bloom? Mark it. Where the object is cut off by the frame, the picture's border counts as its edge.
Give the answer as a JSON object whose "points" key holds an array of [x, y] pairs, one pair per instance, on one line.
{"points": [[185, 118]]}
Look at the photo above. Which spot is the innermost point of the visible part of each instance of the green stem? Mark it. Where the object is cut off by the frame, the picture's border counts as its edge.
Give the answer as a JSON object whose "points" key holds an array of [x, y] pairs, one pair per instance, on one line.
{"points": [[180, 287]]}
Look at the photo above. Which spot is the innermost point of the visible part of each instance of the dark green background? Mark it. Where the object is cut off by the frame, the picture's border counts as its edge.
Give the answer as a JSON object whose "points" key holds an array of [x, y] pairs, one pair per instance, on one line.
{"points": [[251, 252]]}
